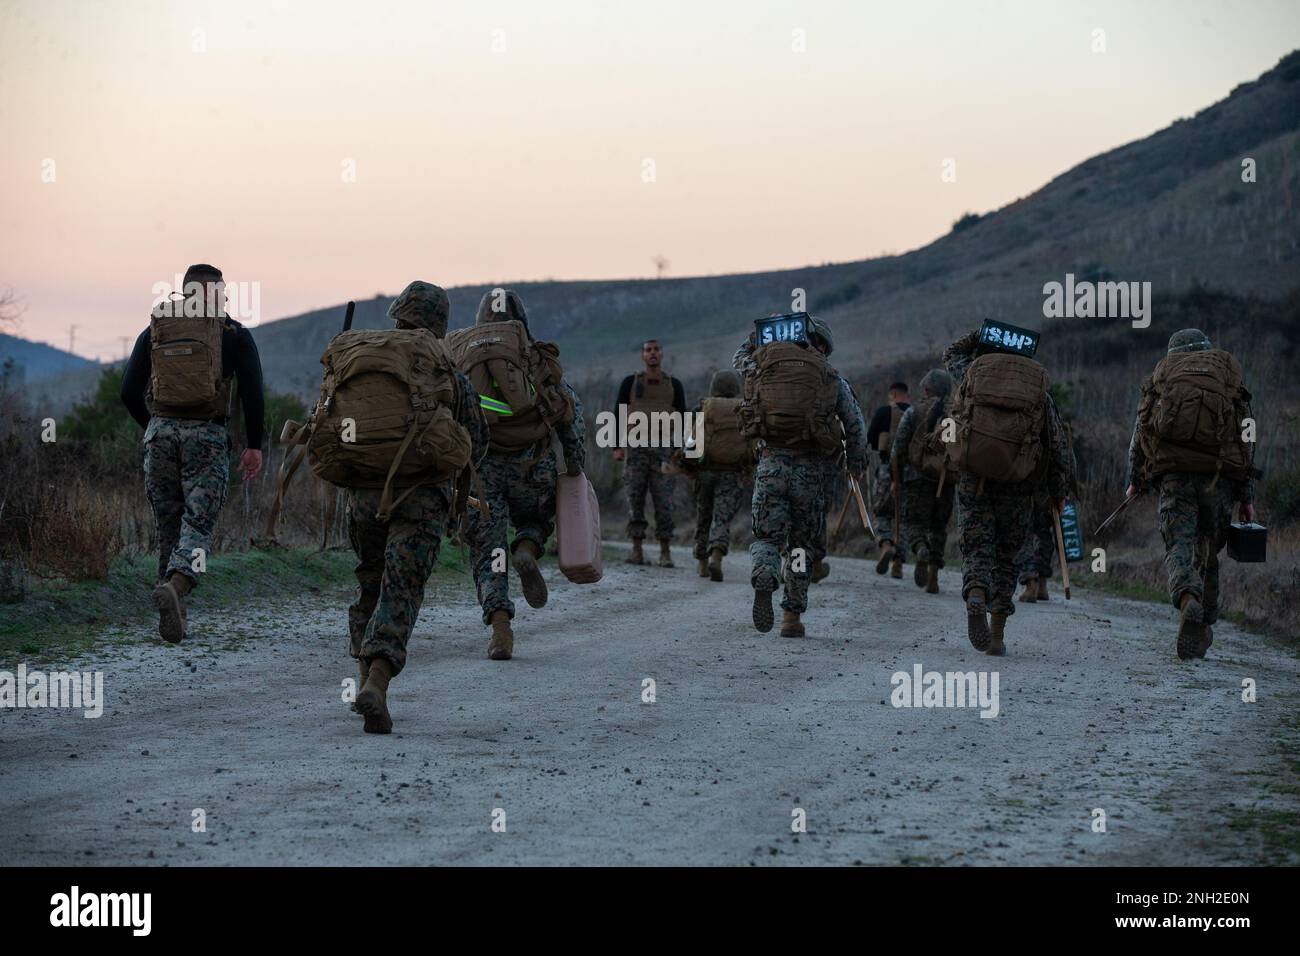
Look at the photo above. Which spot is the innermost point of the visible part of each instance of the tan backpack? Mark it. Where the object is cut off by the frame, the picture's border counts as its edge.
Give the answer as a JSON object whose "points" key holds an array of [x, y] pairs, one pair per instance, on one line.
{"points": [[725, 445], [1000, 408], [185, 378], [386, 415], [517, 380], [926, 451], [790, 399], [1190, 415]]}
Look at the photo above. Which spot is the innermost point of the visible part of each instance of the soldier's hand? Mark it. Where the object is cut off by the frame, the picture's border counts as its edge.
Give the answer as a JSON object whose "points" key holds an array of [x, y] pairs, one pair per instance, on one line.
{"points": [[572, 467], [1060, 505], [619, 454], [1132, 490], [250, 464], [1246, 512]]}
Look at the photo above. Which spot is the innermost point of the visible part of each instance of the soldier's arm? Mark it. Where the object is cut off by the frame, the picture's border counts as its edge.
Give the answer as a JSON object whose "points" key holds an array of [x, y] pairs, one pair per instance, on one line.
{"points": [[906, 425], [135, 379], [248, 372], [855, 430], [625, 390], [1060, 469], [1248, 486], [573, 435], [470, 415], [679, 396], [743, 360], [958, 356], [1136, 460]]}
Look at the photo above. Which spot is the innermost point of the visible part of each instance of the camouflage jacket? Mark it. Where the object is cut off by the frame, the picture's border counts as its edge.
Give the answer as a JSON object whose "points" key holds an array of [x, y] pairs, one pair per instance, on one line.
{"points": [[958, 356]]}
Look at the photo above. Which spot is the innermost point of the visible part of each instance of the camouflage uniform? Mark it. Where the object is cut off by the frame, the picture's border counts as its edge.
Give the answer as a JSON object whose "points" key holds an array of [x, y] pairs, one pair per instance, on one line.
{"points": [[926, 509], [1195, 512], [789, 506], [834, 480], [1034, 559], [882, 506], [519, 489], [718, 497], [642, 470], [396, 557], [992, 521], [186, 478]]}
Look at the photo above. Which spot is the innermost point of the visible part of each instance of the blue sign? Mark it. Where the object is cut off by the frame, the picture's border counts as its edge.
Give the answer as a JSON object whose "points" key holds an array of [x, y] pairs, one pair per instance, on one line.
{"points": [[781, 328], [1000, 337], [1071, 533]]}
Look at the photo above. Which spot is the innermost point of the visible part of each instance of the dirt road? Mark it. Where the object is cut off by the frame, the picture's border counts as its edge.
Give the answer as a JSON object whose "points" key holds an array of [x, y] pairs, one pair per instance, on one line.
{"points": [[246, 722]]}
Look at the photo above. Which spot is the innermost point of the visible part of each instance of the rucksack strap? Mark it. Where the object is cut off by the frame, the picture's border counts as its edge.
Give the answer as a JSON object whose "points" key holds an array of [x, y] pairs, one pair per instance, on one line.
{"points": [[386, 501], [287, 467]]}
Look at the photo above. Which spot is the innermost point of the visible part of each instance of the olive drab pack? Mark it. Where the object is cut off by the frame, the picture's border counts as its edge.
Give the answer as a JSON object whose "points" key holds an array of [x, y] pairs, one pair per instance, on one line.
{"points": [[790, 399], [1000, 409], [385, 417], [927, 452], [517, 380], [725, 445], [185, 378], [1191, 414]]}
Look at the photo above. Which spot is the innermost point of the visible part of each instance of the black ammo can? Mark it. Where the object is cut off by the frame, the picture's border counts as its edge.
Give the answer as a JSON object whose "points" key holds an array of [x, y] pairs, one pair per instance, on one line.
{"points": [[1246, 542]]}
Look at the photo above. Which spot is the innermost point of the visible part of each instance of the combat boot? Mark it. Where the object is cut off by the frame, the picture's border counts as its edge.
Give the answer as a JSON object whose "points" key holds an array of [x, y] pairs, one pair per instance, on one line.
{"points": [[372, 702], [1209, 639], [977, 626], [636, 557], [1042, 590], [665, 555], [763, 618], [821, 571], [932, 577], [715, 564], [896, 566], [702, 567], [1030, 594], [791, 626], [919, 573], [363, 666], [886, 555], [169, 599], [1191, 626], [502, 645], [530, 575], [997, 630]]}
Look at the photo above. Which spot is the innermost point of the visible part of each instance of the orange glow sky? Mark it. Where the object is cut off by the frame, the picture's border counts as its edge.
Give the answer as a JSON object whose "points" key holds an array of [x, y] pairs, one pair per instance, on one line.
{"points": [[477, 165]]}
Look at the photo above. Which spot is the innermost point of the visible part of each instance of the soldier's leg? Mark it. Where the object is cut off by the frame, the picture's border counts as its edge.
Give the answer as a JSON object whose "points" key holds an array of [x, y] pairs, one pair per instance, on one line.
{"points": [[728, 496], [636, 475], [1178, 511], [706, 485], [487, 540], [976, 533], [531, 493], [940, 515], [661, 493], [770, 515], [1012, 517], [415, 530], [369, 538], [1220, 503], [162, 486], [205, 481], [807, 514]]}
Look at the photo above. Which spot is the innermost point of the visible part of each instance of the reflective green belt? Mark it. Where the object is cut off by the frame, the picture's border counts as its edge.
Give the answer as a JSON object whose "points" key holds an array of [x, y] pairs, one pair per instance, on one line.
{"points": [[495, 405]]}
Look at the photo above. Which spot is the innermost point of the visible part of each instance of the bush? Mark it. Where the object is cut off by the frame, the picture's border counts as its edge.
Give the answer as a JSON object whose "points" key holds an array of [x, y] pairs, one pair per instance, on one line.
{"points": [[1280, 495], [966, 221], [76, 533]]}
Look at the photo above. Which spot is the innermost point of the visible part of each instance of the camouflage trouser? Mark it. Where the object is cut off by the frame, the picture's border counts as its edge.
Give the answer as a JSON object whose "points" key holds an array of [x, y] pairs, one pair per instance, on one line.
{"points": [[882, 507], [1035, 556], [925, 517], [395, 560], [641, 471], [718, 496], [835, 485], [1194, 521], [788, 513], [517, 496], [186, 478], [991, 526]]}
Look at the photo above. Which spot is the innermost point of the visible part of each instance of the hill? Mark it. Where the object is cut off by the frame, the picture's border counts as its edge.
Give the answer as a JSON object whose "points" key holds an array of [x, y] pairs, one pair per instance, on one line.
{"points": [[35, 361]]}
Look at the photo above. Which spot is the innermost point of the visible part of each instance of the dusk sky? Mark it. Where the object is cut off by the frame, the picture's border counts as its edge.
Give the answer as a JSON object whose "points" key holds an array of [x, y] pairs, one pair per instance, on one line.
{"points": [[498, 141]]}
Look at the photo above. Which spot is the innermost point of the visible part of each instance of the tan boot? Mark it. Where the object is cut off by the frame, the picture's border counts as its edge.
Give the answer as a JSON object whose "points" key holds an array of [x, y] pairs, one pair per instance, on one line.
{"points": [[665, 555], [702, 567], [1191, 627], [1030, 594], [363, 666], [977, 625], [1042, 590], [530, 575], [886, 555], [715, 564], [502, 645], [821, 571], [791, 626], [896, 566], [372, 702], [169, 599], [919, 572], [636, 557], [931, 578], [997, 631]]}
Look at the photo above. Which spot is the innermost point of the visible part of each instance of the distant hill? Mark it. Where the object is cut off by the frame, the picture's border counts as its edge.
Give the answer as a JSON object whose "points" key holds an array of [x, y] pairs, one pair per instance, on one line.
{"points": [[35, 361], [1170, 209]]}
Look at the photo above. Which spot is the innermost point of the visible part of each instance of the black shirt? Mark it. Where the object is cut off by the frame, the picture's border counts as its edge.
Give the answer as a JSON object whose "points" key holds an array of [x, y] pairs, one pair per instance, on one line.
{"points": [[880, 423], [238, 357]]}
